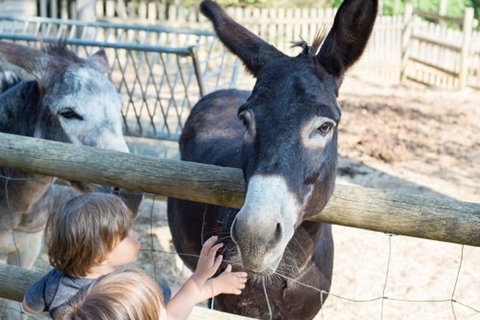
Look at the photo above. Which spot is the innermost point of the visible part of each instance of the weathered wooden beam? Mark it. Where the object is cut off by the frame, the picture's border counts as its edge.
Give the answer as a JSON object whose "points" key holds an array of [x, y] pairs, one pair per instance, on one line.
{"points": [[172, 178], [14, 282], [441, 219]]}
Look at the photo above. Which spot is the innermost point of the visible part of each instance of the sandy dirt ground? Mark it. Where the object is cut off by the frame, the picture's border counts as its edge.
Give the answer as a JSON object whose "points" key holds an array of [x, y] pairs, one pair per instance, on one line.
{"points": [[403, 139], [414, 141]]}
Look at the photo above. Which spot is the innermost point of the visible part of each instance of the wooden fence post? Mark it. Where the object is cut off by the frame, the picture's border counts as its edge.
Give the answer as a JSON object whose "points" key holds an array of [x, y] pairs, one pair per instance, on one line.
{"points": [[466, 45], [406, 35], [442, 10]]}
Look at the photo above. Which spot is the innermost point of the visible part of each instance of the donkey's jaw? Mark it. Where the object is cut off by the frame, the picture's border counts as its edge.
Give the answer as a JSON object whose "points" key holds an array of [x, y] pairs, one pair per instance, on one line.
{"points": [[266, 223]]}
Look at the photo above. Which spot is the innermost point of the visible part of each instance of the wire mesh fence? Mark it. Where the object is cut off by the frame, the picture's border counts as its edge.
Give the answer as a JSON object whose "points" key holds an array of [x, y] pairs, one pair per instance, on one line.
{"points": [[159, 72], [376, 276]]}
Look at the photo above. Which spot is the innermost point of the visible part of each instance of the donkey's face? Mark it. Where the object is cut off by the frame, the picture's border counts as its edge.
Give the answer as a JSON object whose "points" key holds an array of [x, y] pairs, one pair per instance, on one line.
{"points": [[75, 102], [288, 157], [291, 118], [87, 107]]}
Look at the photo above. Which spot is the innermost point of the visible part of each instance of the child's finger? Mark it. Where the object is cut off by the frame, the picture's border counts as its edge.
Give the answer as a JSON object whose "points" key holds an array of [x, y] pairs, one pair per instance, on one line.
{"points": [[210, 241], [208, 245], [218, 262], [228, 268], [215, 248], [241, 275]]}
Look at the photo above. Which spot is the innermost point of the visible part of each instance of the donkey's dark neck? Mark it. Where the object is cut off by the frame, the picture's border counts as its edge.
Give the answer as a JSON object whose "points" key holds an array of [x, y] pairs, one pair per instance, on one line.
{"points": [[302, 246], [18, 114]]}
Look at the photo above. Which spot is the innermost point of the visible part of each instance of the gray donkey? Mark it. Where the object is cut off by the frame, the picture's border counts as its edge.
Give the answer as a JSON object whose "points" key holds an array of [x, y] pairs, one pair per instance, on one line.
{"points": [[68, 99]]}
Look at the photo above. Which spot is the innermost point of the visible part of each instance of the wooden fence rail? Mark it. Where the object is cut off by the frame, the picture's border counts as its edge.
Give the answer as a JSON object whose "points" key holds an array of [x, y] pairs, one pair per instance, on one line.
{"points": [[437, 55], [441, 219], [14, 282]]}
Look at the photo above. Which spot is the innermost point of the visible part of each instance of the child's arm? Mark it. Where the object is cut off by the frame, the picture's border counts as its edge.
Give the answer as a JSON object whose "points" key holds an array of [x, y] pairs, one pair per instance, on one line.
{"points": [[26, 308], [227, 282], [182, 303], [34, 299]]}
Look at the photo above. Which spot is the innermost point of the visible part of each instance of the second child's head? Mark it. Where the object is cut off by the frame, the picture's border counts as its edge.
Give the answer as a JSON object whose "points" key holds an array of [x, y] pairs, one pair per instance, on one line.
{"points": [[88, 230], [126, 293]]}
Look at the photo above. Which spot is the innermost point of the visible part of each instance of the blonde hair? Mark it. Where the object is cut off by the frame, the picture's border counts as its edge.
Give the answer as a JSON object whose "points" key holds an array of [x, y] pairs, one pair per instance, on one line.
{"points": [[84, 230], [127, 293]]}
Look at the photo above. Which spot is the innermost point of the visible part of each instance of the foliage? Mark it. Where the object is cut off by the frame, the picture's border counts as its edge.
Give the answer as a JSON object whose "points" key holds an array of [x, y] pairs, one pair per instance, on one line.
{"points": [[455, 8], [475, 4]]}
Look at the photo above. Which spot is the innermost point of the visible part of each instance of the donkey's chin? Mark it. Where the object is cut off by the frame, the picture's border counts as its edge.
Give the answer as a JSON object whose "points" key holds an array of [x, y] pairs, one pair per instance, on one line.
{"points": [[262, 268]]}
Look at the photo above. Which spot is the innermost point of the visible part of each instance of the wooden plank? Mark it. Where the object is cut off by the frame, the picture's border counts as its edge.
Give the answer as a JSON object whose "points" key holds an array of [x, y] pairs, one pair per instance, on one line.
{"points": [[435, 41], [438, 17], [404, 214], [14, 282], [466, 44], [435, 67]]}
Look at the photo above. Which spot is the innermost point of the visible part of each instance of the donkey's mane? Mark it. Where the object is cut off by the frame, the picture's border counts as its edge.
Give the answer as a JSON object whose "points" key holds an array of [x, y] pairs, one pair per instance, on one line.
{"points": [[316, 44], [8, 79], [60, 49]]}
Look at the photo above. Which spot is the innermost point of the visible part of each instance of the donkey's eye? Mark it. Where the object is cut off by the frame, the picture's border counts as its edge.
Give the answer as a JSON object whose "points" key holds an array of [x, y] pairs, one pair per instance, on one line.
{"points": [[243, 117], [70, 114], [325, 127]]}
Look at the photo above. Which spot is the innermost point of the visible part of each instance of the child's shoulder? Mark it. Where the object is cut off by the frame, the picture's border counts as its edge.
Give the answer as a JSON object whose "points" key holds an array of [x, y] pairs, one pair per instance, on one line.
{"points": [[52, 275], [55, 278]]}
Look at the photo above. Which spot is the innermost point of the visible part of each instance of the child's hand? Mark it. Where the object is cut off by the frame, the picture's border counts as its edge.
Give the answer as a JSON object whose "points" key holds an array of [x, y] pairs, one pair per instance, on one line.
{"points": [[207, 263], [229, 282]]}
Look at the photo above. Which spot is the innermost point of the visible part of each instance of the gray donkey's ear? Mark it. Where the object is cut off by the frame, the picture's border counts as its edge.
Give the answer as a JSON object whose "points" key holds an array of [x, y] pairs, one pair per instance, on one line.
{"points": [[99, 61], [26, 61]]}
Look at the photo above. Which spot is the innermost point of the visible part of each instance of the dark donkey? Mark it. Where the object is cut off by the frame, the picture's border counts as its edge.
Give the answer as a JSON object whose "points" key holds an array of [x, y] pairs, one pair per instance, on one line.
{"points": [[287, 149]]}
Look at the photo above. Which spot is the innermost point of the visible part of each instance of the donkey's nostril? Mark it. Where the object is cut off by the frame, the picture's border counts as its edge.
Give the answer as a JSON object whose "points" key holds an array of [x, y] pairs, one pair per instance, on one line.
{"points": [[278, 231], [276, 236]]}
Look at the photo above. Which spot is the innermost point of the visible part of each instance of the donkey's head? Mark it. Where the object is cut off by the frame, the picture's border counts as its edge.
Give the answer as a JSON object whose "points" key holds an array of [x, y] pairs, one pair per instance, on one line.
{"points": [[291, 118], [69, 100]]}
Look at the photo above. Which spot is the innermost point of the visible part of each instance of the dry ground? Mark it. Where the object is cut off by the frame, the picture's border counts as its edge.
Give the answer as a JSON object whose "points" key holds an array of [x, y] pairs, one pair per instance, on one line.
{"points": [[401, 139], [416, 141]]}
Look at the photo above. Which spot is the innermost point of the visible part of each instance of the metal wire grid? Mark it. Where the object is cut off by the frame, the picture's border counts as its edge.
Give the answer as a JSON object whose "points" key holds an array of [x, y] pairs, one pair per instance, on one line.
{"points": [[160, 72]]}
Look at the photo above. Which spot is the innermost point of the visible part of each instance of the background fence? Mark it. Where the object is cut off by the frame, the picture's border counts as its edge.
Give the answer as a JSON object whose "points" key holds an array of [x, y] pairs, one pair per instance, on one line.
{"points": [[160, 72], [426, 48]]}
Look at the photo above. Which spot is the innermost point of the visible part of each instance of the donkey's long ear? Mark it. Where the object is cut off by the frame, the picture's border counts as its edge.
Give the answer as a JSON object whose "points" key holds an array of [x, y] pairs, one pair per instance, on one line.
{"points": [[99, 61], [349, 35], [252, 50], [32, 61]]}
